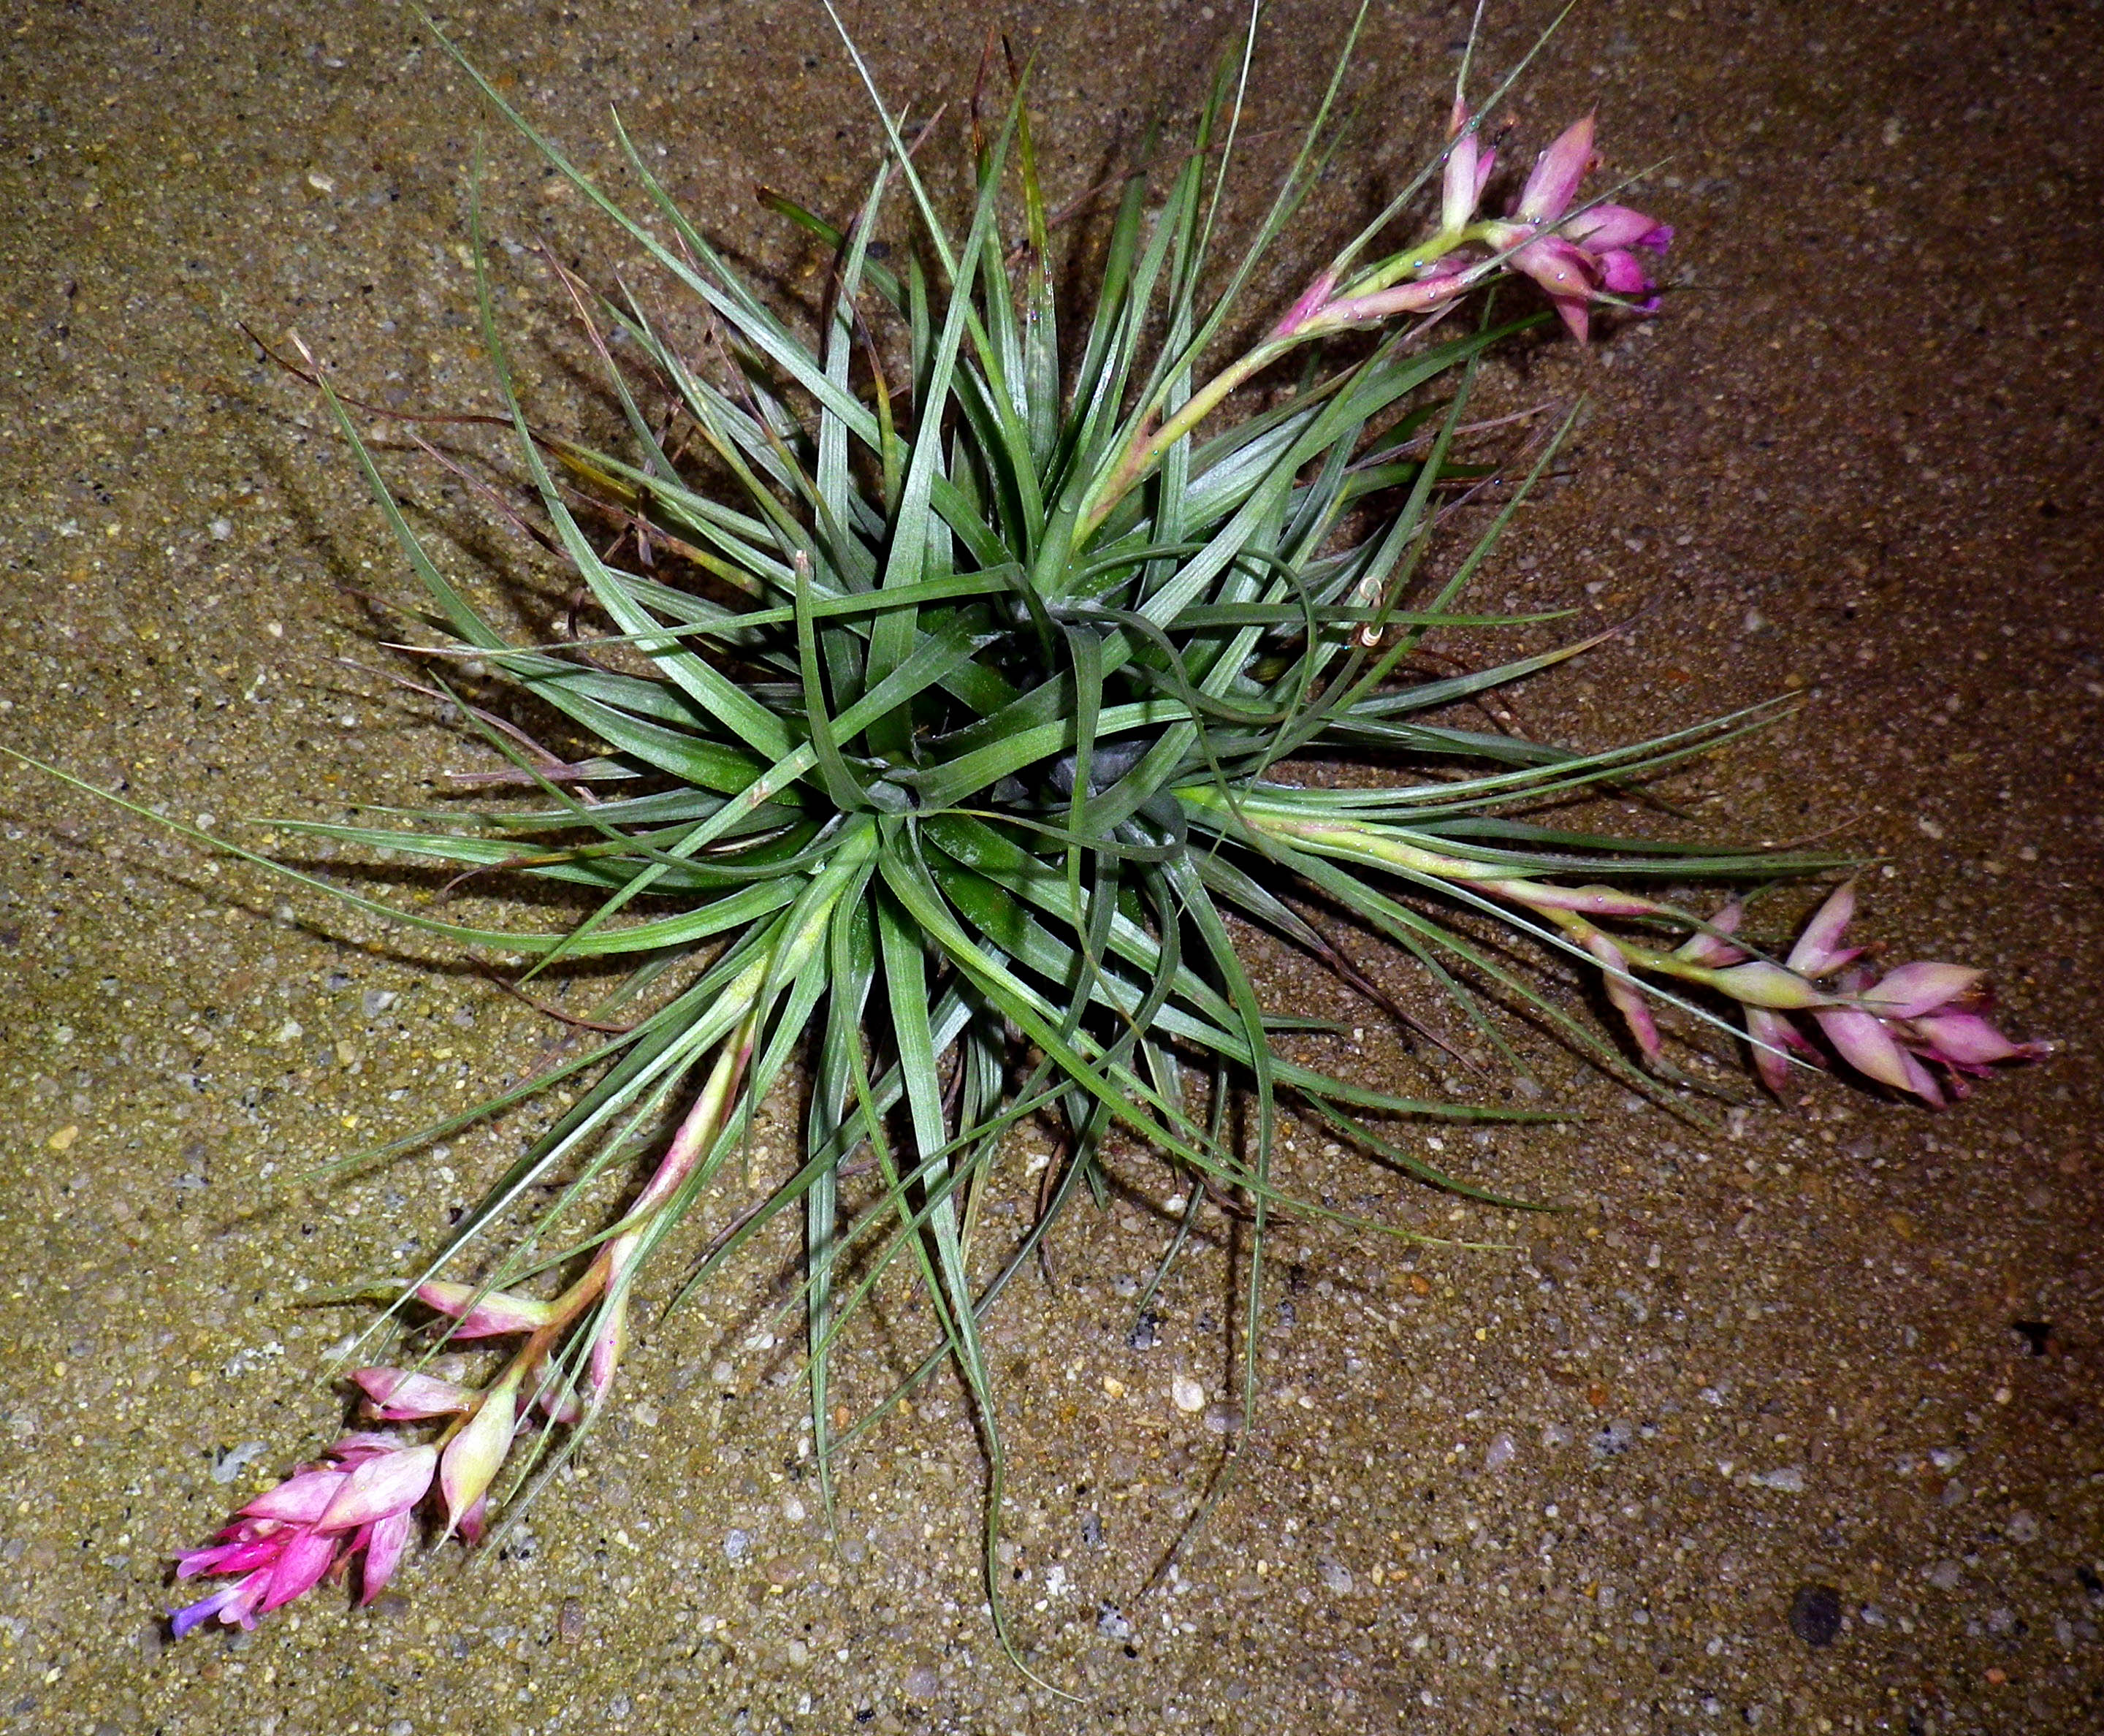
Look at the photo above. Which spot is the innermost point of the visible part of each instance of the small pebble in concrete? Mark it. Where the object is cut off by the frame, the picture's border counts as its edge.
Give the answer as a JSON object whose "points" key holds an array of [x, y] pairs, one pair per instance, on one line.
{"points": [[1188, 1394], [921, 1683], [737, 1545], [1815, 1614], [1335, 1576]]}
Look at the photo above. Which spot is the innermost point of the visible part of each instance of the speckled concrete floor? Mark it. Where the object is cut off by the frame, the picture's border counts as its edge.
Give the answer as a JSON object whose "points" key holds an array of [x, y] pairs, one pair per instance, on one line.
{"points": [[1845, 1358]]}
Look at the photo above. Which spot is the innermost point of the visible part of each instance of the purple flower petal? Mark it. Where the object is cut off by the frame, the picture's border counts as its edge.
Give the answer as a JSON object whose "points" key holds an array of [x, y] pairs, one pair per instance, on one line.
{"points": [[234, 1604]]}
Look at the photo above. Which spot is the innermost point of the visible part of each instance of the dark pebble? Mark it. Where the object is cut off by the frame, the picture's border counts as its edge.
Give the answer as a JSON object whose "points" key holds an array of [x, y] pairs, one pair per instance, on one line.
{"points": [[1815, 1614]]}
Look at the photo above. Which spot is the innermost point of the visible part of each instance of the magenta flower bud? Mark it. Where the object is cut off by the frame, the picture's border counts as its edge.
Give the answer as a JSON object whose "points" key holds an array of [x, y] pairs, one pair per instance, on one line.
{"points": [[1557, 173], [484, 1315], [393, 1396]]}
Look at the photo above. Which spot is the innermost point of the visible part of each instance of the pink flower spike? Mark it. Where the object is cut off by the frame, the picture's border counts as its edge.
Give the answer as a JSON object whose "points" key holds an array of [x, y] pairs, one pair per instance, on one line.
{"points": [[365, 1501], [1818, 949], [393, 1483], [474, 1521], [393, 1396], [1862, 1041], [494, 1314], [1557, 173]]}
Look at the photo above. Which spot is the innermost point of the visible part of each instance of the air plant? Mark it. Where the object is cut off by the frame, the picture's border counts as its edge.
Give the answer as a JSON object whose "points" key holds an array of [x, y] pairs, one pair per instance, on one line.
{"points": [[951, 718]]}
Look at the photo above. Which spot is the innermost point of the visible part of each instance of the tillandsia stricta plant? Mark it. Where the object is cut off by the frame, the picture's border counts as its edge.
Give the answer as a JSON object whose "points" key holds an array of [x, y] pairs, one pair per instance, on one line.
{"points": [[944, 725]]}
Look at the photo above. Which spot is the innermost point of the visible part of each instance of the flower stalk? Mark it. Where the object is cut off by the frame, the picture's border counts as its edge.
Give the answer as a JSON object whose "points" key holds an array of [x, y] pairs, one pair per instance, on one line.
{"points": [[362, 1497], [1892, 1029], [1598, 252]]}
